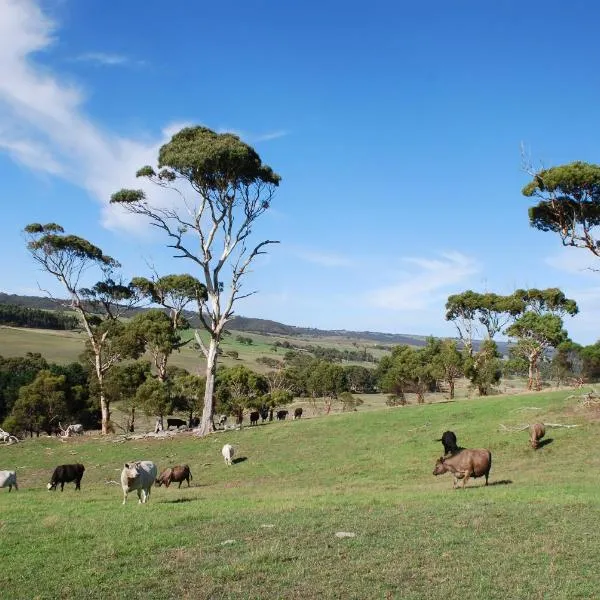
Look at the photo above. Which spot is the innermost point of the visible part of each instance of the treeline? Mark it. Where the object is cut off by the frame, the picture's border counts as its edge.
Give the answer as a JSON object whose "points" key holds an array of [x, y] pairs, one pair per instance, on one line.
{"points": [[21, 316], [330, 354]]}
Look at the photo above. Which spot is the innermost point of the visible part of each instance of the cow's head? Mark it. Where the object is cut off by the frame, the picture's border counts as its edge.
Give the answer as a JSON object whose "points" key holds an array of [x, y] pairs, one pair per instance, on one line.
{"points": [[132, 471], [440, 466]]}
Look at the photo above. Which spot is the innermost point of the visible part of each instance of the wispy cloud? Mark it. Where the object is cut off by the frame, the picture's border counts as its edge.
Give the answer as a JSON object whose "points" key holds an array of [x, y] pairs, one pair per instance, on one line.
{"points": [[108, 59], [325, 259], [426, 283], [273, 135], [253, 138], [44, 125], [576, 261]]}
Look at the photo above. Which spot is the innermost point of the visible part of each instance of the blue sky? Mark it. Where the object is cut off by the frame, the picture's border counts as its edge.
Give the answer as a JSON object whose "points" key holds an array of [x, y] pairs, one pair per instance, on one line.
{"points": [[396, 128]]}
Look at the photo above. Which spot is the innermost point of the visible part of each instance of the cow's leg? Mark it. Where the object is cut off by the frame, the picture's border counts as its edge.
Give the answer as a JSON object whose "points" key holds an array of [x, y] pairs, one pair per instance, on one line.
{"points": [[78, 484], [181, 483], [465, 479], [16, 487], [62, 486], [139, 493], [124, 497]]}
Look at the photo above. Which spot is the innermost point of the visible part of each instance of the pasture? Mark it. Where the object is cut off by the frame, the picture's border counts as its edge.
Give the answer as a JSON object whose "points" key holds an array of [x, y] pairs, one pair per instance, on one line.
{"points": [[266, 526]]}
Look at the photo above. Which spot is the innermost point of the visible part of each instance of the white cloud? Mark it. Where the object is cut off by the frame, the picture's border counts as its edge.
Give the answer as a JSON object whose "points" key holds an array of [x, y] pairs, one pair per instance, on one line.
{"points": [[425, 286], [43, 124], [107, 59]]}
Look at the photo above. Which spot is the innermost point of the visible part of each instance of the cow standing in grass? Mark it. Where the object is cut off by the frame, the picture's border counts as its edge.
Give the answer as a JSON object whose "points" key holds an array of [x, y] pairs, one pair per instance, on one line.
{"points": [[138, 476], [65, 474], [465, 464], [536, 432], [228, 452], [448, 440], [8, 479], [177, 474]]}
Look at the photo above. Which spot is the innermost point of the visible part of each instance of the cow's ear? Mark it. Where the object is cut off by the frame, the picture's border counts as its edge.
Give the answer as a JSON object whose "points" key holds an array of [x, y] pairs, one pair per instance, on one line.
{"points": [[442, 459], [127, 465]]}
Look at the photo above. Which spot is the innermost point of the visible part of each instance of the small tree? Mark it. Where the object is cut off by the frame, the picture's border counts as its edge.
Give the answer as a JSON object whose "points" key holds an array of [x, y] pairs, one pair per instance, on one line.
{"points": [[447, 362], [238, 389], [67, 257], [539, 327], [41, 404], [535, 334], [122, 384], [231, 189]]}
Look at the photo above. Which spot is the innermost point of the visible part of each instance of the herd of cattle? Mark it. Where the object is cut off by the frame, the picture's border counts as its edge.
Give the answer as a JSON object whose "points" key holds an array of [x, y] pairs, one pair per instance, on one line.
{"points": [[138, 476], [465, 463], [141, 475]]}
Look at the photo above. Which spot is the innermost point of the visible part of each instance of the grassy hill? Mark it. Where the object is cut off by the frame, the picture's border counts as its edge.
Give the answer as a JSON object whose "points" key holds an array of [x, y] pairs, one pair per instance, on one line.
{"points": [[267, 327], [266, 527]]}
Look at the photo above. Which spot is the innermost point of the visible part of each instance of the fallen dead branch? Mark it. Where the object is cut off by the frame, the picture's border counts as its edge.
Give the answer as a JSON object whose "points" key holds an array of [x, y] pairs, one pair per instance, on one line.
{"points": [[505, 429]]}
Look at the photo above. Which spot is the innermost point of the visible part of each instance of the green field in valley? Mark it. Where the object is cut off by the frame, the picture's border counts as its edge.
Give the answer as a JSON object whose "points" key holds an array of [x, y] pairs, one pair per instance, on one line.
{"points": [[266, 527]]}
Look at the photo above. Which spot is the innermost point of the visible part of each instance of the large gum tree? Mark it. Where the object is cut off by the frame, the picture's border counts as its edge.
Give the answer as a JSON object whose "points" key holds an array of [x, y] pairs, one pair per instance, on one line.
{"points": [[222, 188]]}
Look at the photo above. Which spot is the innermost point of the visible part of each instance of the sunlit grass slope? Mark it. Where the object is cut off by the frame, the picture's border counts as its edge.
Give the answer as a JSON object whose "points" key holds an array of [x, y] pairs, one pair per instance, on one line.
{"points": [[265, 527]]}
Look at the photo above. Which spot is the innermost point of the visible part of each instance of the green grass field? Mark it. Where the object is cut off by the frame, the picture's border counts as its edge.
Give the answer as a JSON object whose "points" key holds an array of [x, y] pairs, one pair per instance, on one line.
{"points": [[265, 527]]}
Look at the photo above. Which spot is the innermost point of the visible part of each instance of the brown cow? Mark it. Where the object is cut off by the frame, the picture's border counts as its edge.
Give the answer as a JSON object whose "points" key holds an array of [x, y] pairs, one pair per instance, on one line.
{"points": [[465, 464], [179, 473], [536, 432]]}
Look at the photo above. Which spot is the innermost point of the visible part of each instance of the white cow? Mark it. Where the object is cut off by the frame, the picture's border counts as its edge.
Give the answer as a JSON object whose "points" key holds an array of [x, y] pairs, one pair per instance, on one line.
{"points": [[8, 479], [139, 476], [228, 452]]}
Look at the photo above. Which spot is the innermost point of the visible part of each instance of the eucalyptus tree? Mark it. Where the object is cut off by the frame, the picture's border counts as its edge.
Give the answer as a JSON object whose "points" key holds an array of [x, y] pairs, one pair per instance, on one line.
{"points": [[539, 327], [99, 308], [568, 203], [222, 189], [447, 362]]}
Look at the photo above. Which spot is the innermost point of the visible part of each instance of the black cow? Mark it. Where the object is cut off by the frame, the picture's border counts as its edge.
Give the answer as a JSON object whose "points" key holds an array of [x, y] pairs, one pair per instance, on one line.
{"points": [[194, 422], [264, 413], [65, 474], [448, 440], [298, 412], [281, 415], [222, 421], [254, 416], [175, 422]]}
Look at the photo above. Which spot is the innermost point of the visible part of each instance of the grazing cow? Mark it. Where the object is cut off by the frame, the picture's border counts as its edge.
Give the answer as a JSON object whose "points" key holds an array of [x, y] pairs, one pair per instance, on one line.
{"points": [[536, 432], [298, 412], [194, 422], [448, 440], [178, 474], [65, 474], [228, 452], [465, 464], [264, 413], [8, 479], [254, 416], [139, 476], [281, 415], [222, 421], [175, 422]]}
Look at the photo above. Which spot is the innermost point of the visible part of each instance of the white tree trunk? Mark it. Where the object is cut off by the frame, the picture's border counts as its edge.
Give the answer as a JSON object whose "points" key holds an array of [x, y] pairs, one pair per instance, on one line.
{"points": [[104, 402], [206, 423]]}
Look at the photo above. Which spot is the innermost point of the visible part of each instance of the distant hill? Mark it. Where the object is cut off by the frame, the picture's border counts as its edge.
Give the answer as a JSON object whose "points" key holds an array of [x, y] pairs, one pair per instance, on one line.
{"points": [[262, 326]]}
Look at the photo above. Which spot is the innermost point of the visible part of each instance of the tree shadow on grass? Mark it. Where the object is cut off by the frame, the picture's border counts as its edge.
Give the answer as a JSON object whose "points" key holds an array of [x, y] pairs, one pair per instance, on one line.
{"points": [[500, 482], [543, 443], [239, 459]]}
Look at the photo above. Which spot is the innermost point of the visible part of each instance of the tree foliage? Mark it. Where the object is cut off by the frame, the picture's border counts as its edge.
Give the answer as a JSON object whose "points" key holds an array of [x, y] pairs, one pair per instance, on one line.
{"points": [[568, 203]]}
